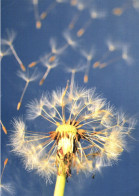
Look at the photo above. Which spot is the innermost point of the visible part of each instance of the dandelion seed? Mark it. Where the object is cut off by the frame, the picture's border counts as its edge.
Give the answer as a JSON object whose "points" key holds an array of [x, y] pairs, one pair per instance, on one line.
{"points": [[73, 71], [48, 10], [28, 79], [94, 14], [52, 6], [89, 56], [80, 7], [87, 134], [36, 14], [3, 127], [9, 42], [50, 64], [107, 58]]}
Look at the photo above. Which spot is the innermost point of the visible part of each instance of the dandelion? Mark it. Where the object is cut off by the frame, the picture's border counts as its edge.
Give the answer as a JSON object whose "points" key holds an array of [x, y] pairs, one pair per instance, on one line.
{"points": [[28, 79], [86, 134], [6, 187], [50, 64], [94, 14], [9, 42]]}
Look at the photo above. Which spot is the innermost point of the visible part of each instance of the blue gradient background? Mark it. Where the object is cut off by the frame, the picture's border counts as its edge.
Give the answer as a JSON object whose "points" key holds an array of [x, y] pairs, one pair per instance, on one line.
{"points": [[118, 83]]}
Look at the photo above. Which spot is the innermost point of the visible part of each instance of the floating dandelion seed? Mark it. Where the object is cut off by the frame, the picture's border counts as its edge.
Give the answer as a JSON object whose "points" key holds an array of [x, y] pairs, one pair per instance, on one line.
{"points": [[86, 134], [6, 187], [3, 127], [88, 56], [80, 7], [94, 14], [50, 64], [9, 42], [112, 55], [45, 13], [73, 71], [36, 14], [28, 79], [48, 10]]}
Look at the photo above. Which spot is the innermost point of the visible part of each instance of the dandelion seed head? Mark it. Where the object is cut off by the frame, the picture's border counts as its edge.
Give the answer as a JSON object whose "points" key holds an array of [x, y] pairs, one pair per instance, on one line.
{"points": [[88, 135]]}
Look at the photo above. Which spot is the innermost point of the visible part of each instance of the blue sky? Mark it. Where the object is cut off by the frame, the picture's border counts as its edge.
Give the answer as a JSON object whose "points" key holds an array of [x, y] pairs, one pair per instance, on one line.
{"points": [[118, 83]]}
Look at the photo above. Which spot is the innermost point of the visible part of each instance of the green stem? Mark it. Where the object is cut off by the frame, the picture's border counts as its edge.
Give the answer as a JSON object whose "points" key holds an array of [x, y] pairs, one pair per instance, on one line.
{"points": [[60, 185]]}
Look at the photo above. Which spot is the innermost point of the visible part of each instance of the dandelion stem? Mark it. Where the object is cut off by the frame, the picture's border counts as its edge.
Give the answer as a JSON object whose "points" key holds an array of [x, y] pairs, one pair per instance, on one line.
{"points": [[60, 185]]}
